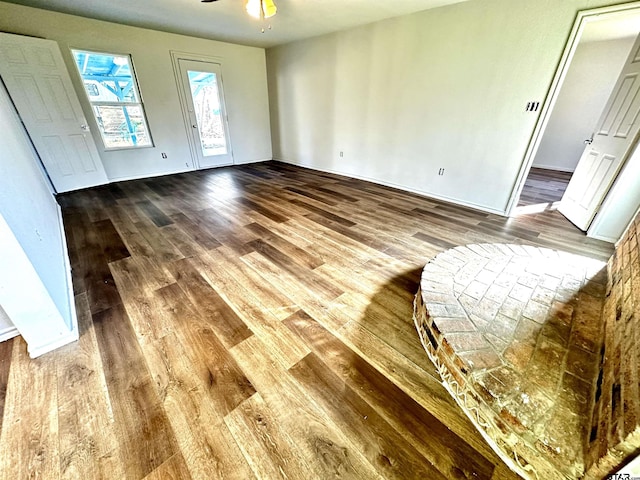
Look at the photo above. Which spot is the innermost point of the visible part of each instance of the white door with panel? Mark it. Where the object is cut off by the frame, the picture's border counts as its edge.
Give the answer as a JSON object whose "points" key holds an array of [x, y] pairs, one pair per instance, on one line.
{"points": [[204, 108], [616, 133], [39, 85]]}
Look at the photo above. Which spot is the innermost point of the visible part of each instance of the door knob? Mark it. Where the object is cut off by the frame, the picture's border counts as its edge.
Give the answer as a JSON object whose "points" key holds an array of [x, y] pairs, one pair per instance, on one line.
{"points": [[194, 126]]}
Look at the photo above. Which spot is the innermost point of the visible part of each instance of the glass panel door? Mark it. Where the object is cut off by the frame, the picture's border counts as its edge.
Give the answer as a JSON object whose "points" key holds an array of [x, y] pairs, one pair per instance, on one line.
{"points": [[206, 101], [206, 111]]}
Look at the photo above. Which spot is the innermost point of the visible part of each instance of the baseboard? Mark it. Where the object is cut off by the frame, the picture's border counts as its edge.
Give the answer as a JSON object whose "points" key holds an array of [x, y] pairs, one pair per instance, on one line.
{"points": [[604, 238], [148, 175], [248, 162], [8, 333], [422, 193], [36, 351], [176, 172], [555, 169]]}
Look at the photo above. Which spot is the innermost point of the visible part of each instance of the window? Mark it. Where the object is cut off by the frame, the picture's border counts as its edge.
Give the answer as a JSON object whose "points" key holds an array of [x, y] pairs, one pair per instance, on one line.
{"points": [[112, 90]]}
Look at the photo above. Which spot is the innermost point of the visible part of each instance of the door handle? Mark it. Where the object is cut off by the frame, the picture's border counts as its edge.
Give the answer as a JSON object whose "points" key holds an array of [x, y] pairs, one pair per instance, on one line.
{"points": [[194, 126], [84, 128], [588, 141]]}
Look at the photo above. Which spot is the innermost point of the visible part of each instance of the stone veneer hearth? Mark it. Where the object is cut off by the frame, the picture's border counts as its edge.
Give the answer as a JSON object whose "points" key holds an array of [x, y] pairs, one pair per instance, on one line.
{"points": [[540, 349]]}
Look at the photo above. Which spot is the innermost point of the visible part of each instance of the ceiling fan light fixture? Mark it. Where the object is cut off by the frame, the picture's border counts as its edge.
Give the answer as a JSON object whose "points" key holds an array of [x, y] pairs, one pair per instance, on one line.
{"points": [[261, 8], [254, 8], [269, 8]]}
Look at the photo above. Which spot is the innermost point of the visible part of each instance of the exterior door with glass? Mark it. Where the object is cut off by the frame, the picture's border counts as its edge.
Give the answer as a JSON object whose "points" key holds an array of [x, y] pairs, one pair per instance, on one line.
{"points": [[201, 83]]}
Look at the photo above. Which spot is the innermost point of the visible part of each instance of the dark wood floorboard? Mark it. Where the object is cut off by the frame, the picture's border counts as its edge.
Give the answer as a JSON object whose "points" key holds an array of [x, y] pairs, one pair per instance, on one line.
{"points": [[544, 186], [253, 322]]}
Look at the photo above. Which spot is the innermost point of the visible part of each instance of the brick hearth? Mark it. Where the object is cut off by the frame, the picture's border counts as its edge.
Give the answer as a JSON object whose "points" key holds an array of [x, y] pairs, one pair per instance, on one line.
{"points": [[539, 348]]}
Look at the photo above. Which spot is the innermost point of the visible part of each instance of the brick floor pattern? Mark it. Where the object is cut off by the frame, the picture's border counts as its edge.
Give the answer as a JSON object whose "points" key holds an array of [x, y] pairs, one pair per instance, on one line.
{"points": [[517, 335]]}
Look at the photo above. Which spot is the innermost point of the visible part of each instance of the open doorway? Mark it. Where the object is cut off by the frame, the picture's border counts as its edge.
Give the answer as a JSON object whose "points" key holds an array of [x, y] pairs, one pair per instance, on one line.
{"points": [[544, 187], [586, 84]]}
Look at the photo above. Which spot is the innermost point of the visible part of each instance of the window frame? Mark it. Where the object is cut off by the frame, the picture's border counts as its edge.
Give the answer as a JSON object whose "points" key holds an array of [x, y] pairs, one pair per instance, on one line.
{"points": [[137, 92]]}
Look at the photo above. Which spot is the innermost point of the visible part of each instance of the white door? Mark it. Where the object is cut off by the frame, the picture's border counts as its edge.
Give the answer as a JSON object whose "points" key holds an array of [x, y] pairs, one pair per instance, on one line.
{"points": [[39, 85], [615, 135], [201, 83]]}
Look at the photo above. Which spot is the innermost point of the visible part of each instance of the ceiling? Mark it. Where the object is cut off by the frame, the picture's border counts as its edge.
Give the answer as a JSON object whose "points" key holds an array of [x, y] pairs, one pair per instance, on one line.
{"points": [[228, 21]]}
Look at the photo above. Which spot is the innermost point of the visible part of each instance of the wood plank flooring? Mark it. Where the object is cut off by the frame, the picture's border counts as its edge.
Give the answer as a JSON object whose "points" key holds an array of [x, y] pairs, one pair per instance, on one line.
{"points": [[544, 186], [251, 322]]}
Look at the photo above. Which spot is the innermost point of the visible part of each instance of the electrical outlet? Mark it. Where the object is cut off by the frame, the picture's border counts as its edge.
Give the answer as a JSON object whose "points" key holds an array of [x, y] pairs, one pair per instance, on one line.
{"points": [[164, 155], [532, 107], [441, 172], [341, 154]]}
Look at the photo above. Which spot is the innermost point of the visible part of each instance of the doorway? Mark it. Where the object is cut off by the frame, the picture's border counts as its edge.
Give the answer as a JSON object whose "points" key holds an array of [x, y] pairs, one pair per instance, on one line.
{"points": [[544, 187], [204, 111], [592, 63]]}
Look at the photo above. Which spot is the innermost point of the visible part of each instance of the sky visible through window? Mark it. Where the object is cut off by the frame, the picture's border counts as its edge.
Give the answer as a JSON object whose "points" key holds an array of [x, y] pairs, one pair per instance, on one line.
{"points": [[112, 90]]}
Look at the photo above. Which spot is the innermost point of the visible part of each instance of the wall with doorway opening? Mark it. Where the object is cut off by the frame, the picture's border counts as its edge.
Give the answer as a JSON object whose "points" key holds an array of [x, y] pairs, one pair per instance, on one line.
{"points": [[398, 100], [243, 72], [590, 80]]}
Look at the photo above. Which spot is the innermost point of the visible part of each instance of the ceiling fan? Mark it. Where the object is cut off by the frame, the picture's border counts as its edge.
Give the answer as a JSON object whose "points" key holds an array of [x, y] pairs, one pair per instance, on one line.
{"points": [[257, 8]]}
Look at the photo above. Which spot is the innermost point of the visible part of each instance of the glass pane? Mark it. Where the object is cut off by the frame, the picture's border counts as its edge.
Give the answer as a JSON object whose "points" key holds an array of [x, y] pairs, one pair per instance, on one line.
{"points": [[206, 101], [107, 77], [122, 126], [109, 80]]}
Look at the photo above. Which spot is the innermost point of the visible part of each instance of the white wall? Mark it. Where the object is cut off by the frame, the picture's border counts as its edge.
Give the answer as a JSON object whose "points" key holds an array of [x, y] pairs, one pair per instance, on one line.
{"points": [[594, 70], [243, 72], [35, 287], [404, 97]]}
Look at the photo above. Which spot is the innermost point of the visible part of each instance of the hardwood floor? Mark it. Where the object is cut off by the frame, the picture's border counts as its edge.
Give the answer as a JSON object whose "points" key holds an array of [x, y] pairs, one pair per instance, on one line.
{"points": [[544, 186], [251, 322]]}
